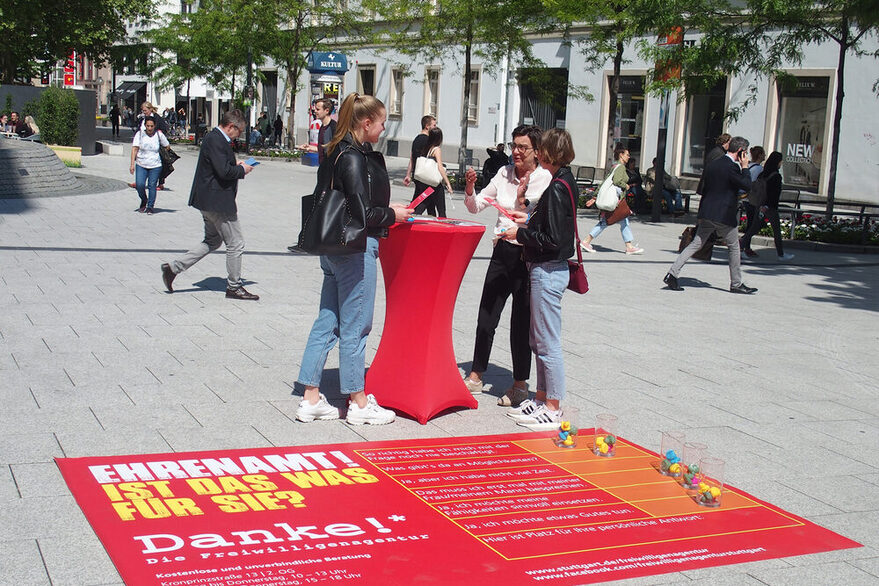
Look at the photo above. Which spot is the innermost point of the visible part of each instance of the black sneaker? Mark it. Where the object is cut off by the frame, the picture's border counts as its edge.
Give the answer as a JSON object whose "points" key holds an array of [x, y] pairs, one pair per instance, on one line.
{"points": [[743, 289]]}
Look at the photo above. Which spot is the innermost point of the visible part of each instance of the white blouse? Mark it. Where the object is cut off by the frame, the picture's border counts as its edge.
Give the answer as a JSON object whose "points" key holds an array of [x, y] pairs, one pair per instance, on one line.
{"points": [[503, 189], [148, 148]]}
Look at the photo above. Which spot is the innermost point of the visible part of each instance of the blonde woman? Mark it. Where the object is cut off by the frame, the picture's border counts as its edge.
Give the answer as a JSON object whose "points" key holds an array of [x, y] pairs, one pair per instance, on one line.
{"points": [[348, 293]]}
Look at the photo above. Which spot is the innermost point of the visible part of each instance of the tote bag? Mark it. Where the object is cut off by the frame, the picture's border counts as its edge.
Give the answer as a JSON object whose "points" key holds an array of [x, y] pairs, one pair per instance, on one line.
{"points": [[608, 194], [427, 171], [336, 224]]}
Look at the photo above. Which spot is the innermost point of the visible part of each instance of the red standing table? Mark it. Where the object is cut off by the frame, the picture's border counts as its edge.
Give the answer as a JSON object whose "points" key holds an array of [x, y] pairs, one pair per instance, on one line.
{"points": [[414, 369]]}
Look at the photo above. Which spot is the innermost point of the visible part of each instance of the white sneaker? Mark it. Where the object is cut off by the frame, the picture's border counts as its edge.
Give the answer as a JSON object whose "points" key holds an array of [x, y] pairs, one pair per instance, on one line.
{"points": [[542, 419], [586, 247], [784, 257], [524, 410], [635, 250], [372, 414], [321, 410]]}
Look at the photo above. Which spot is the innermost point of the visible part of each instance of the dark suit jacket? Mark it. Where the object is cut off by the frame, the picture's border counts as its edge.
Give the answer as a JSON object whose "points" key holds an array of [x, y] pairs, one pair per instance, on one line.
{"points": [[215, 184], [723, 180], [715, 153]]}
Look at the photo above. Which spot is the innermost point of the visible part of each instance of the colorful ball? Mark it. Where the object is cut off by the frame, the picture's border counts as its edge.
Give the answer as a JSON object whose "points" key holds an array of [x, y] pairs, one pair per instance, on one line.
{"points": [[715, 492], [604, 448], [610, 439], [675, 468]]}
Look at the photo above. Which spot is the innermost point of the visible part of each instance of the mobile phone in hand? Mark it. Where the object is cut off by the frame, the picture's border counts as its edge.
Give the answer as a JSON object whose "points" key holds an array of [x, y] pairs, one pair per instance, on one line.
{"points": [[252, 162]]}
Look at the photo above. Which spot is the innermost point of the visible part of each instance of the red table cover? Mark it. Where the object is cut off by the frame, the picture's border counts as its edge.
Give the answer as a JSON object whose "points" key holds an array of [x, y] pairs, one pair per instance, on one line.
{"points": [[423, 263]]}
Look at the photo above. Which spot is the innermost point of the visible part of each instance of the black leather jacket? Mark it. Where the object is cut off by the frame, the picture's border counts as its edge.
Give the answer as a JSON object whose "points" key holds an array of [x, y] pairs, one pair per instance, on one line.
{"points": [[550, 232], [357, 169]]}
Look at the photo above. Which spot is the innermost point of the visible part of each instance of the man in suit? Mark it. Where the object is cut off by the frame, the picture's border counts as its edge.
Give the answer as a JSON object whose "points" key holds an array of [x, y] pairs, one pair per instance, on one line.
{"points": [[214, 188], [724, 178]]}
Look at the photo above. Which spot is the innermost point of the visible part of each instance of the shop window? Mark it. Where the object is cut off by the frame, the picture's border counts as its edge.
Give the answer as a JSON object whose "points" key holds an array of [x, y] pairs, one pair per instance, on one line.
{"points": [[431, 91], [396, 93], [473, 104], [366, 80], [628, 126], [704, 123], [544, 96], [802, 119]]}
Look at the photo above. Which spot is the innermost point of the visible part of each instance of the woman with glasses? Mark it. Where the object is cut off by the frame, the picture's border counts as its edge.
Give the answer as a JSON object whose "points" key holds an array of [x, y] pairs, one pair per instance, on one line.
{"points": [[516, 187]]}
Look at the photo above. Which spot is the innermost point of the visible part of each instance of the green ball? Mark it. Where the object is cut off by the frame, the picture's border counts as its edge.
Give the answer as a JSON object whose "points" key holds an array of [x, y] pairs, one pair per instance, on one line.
{"points": [[693, 468], [610, 440]]}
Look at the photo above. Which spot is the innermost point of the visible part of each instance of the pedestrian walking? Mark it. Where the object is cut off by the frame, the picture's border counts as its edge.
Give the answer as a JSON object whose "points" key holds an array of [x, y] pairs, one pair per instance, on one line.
{"points": [[214, 189], [771, 180], [146, 163], [723, 178], [620, 179]]}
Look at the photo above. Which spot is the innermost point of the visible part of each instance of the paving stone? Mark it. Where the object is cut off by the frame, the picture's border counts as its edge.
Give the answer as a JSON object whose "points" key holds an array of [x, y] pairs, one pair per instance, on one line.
{"points": [[22, 563]]}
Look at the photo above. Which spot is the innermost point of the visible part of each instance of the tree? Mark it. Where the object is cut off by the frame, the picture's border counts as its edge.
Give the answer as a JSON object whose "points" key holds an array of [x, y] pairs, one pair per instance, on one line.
{"points": [[761, 37], [611, 26], [488, 31], [304, 26], [38, 33], [174, 56]]}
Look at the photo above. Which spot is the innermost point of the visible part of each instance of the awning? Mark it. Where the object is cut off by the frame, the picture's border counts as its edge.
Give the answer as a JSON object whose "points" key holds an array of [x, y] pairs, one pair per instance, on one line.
{"points": [[128, 89]]}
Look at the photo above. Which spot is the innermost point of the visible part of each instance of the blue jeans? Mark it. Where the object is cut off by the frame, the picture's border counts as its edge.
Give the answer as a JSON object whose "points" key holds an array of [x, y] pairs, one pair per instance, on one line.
{"points": [[624, 228], [548, 283], [673, 200], [347, 300], [143, 178]]}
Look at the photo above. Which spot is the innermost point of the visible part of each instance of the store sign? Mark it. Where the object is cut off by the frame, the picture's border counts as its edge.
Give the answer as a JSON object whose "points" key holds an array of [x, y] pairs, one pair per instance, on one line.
{"points": [[326, 62], [70, 70], [469, 511]]}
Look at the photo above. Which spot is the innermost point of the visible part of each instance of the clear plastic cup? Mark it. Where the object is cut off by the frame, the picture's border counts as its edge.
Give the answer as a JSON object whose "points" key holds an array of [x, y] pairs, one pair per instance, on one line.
{"points": [[605, 435], [671, 452]]}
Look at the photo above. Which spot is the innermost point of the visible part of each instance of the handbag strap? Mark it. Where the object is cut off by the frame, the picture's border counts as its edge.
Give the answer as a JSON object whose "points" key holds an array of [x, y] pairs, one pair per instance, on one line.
{"points": [[574, 211]]}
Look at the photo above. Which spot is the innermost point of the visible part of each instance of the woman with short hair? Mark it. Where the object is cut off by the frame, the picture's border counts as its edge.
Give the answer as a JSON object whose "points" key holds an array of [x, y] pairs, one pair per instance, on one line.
{"points": [[547, 239]]}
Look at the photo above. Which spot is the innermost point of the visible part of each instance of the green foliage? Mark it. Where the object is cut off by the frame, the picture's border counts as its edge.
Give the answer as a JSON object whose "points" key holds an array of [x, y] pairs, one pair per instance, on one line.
{"points": [[58, 117], [37, 33], [8, 109], [461, 31]]}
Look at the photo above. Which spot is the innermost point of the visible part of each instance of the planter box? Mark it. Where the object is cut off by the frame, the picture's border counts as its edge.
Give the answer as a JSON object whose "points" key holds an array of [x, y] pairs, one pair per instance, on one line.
{"points": [[68, 154]]}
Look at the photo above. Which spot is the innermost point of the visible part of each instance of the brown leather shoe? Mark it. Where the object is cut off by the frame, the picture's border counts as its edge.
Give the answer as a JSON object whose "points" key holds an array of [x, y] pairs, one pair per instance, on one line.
{"points": [[240, 293], [168, 277]]}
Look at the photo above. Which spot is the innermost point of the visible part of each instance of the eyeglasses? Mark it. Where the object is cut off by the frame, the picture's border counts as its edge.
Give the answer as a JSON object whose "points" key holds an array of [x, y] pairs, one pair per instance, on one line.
{"points": [[520, 147]]}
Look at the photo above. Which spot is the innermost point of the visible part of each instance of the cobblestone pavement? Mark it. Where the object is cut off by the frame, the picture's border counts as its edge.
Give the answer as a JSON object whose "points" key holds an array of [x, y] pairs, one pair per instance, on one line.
{"points": [[97, 359]]}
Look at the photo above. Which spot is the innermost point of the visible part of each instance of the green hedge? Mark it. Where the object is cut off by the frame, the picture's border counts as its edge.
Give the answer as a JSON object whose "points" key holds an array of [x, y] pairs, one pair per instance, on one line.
{"points": [[58, 117]]}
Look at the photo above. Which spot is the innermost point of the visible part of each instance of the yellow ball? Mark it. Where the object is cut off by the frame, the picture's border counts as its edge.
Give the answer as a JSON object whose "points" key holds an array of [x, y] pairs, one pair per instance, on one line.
{"points": [[715, 492], [604, 448], [703, 487], [599, 440], [569, 441], [675, 468], [566, 426]]}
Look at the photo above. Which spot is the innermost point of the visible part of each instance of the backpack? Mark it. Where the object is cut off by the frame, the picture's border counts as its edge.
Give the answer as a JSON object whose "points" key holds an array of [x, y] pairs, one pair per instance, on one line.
{"points": [[757, 195]]}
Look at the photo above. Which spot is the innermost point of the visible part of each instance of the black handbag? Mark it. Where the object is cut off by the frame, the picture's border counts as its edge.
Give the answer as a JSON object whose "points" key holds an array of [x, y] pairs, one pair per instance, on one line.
{"points": [[167, 157], [336, 224]]}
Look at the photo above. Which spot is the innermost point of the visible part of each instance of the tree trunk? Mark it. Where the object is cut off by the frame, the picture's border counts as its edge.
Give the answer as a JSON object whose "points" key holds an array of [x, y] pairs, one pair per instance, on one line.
{"points": [[188, 125], [837, 116], [292, 83], [612, 105], [465, 125]]}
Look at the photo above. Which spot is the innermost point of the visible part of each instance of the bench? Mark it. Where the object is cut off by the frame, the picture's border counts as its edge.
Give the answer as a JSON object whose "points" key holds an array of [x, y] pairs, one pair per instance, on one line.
{"points": [[585, 177]]}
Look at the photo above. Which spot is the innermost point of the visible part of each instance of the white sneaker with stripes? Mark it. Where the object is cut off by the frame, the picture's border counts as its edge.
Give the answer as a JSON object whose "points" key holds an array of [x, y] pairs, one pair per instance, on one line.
{"points": [[542, 419]]}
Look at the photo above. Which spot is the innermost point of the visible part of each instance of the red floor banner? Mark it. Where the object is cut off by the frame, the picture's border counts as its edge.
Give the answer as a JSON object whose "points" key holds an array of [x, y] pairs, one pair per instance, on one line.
{"points": [[511, 509]]}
